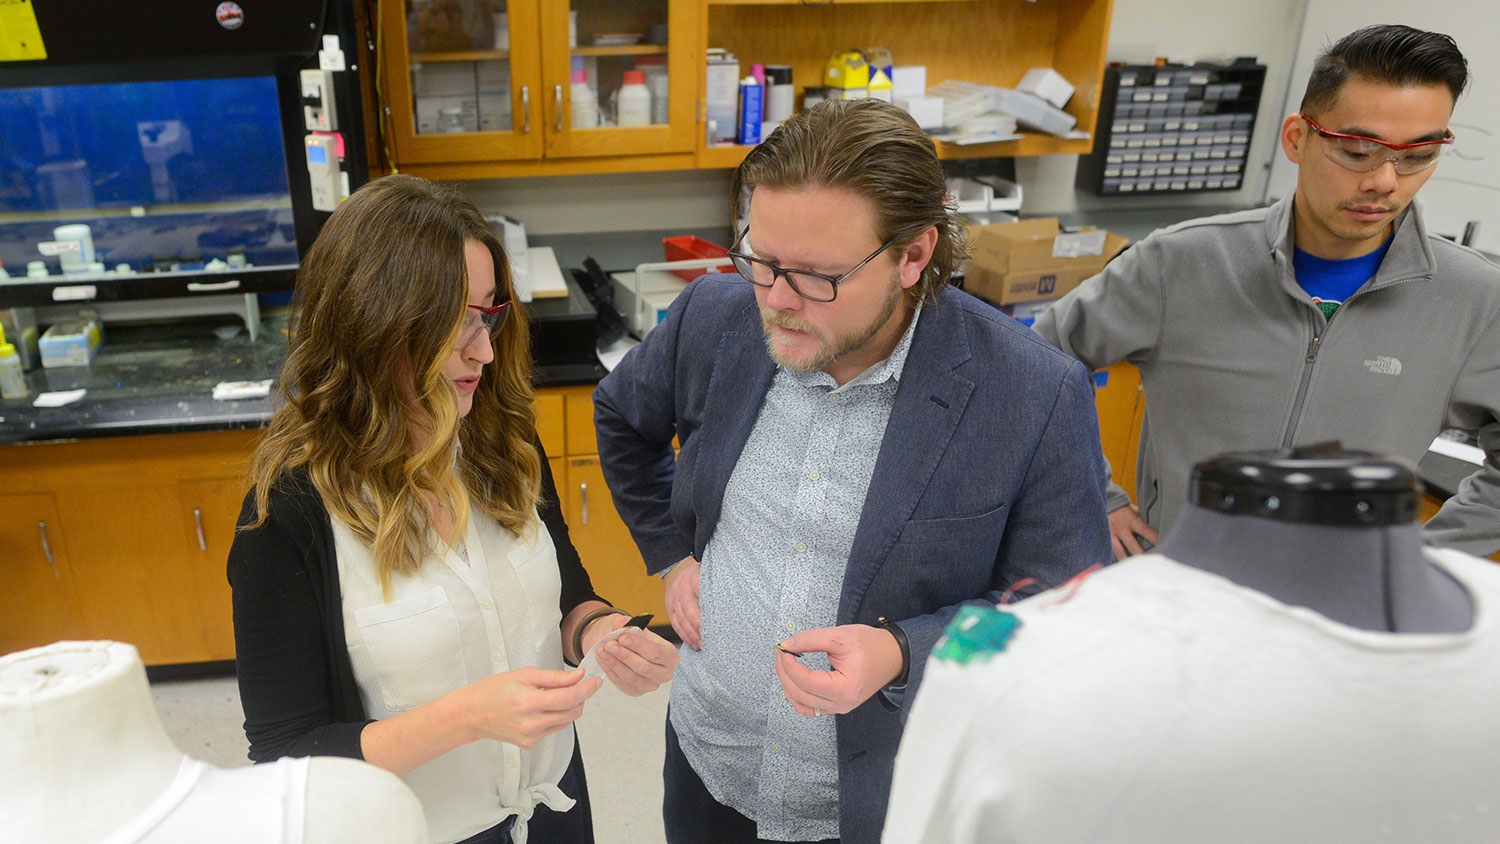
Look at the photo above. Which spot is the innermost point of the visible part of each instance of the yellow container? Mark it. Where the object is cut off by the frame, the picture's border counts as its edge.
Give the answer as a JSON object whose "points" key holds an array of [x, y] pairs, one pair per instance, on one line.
{"points": [[849, 72]]}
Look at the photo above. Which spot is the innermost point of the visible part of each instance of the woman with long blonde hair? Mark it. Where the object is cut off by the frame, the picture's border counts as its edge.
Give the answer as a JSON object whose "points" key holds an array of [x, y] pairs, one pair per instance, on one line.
{"points": [[405, 591]]}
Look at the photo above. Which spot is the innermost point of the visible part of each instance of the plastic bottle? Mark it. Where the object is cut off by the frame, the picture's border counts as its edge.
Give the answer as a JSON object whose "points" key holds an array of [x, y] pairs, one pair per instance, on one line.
{"points": [[751, 110], [585, 103], [779, 97], [634, 100], [12, 381]]}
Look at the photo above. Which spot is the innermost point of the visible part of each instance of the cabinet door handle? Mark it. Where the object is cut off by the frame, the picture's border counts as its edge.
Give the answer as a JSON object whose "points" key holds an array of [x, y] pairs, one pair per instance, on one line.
{"points": [[47, 547], [557, 98], [198, 521], [526, 108], [583, 492]]}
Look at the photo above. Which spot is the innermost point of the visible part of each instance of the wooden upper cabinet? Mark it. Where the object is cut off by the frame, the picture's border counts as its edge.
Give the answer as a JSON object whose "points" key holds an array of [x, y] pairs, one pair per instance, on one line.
{"points": [[474, 82], [469, 100], [665, 54], [458, 86]]}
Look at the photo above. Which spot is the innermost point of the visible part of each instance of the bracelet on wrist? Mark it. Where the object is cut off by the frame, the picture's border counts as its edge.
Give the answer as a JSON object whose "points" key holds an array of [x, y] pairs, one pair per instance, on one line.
{"points": [[895, 630], [583, 624]]}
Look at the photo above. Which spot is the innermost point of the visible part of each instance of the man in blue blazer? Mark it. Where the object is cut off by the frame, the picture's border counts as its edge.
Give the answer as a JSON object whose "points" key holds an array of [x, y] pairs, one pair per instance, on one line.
{"points": [[863, 450]]}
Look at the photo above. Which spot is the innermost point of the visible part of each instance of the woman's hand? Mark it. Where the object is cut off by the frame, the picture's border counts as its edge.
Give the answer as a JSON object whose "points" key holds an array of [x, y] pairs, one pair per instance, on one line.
{"points": [[520, 707], [637, 662], [524, 706]]}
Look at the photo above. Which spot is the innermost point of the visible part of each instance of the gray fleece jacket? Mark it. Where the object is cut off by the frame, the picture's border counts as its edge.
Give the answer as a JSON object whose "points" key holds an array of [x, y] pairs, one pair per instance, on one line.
{"points": [[1234, 355]]}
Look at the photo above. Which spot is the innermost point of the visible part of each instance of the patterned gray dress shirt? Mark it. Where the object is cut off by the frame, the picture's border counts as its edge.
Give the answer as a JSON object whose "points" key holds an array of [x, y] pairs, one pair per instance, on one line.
{"points": [[775, 566]]}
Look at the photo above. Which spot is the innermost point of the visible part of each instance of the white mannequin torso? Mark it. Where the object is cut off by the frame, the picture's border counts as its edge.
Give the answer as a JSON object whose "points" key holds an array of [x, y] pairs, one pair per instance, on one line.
{"points": [[83, 757]]}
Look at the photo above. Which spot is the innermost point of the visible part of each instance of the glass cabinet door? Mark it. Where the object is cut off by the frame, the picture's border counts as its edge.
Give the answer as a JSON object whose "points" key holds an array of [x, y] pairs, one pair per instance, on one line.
{"points": [[619, 76], [461, 80]]}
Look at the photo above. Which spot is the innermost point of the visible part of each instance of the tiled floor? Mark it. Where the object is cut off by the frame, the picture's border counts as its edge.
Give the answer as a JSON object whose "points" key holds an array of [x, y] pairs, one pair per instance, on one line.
{"points": [[621, 739]]}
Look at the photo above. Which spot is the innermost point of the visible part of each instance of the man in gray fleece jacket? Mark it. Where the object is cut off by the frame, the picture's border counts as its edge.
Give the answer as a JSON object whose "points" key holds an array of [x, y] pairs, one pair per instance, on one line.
{"points": [[1332, 314]]}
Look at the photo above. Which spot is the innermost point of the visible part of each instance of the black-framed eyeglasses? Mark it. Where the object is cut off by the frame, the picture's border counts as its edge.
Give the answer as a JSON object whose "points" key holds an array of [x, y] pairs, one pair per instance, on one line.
{"points": [[485, 318], [815, 287], [1362, 154]]}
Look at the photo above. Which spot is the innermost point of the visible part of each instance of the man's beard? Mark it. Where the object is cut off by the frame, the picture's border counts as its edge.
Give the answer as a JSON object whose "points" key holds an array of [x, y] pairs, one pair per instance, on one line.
{"points": [[831, 352]]}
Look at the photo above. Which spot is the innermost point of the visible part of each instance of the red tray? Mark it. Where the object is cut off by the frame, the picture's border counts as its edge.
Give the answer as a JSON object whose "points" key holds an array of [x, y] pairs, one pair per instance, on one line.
{"points": [[688, 248]]}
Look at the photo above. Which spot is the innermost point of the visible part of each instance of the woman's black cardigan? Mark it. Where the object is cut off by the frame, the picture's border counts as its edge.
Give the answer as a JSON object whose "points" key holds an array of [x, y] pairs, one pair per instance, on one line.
{"points": [[296, 680]]}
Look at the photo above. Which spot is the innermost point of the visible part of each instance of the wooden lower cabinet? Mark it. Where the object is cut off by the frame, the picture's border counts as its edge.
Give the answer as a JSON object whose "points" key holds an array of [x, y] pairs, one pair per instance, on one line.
{"points": [[123, 518], [603, 542], [1121, 405], [37, 604], [131, 572], [208, 512], [127, 538]]}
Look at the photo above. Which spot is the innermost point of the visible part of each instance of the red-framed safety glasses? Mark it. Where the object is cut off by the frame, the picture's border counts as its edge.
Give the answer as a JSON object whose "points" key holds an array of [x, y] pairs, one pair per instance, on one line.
{"points": [[1362, 154]]}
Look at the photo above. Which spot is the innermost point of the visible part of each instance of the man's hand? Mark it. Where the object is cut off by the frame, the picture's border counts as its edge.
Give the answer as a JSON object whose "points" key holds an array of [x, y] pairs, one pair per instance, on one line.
{"points": [[864, 659], [636, 662], [1126, 529], [681, 586]]}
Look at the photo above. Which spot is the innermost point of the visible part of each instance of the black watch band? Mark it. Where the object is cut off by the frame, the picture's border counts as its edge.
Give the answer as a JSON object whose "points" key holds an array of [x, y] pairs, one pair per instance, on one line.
{"points": [[895, 630]]}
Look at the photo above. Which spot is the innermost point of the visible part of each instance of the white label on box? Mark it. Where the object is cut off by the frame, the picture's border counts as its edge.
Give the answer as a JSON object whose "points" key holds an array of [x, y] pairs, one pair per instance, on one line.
{"points": [[52, 248], [1079, 244]]}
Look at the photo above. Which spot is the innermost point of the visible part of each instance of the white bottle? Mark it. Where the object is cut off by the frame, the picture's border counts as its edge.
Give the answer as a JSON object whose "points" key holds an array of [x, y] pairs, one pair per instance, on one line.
{"points": [[585, 104], [12, 381], [634, 100]]}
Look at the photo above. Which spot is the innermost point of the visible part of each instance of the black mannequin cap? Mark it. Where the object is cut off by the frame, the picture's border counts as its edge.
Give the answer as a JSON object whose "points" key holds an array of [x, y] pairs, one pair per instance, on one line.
{"points": [[1320, 484]]}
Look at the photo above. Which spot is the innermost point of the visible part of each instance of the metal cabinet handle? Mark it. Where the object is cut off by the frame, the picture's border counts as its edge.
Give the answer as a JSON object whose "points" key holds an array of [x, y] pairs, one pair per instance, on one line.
{"points": [[47, 547], [526, 108], [557, 97], [198, 521], [583, 492]]}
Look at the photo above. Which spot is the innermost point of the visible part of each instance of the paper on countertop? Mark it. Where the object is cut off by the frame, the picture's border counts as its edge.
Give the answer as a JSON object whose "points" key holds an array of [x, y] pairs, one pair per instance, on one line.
{"points": [[1078, 244], [590, 664], [58, 399], [232, 390], [611, 355]]}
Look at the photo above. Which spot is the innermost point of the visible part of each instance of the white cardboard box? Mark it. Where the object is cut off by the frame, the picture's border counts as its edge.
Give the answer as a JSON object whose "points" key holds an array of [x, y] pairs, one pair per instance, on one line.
{"points": [[927, 111], [908, 81], [1047, 84]]}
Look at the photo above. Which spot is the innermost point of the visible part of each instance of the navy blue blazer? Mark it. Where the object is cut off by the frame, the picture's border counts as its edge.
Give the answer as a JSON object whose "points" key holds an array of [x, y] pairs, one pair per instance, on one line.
{"points": [[990, 472]]}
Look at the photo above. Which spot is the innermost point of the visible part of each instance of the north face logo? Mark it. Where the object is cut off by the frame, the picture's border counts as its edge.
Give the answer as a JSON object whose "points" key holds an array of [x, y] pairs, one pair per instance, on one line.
{"points": [[1384, 365]]}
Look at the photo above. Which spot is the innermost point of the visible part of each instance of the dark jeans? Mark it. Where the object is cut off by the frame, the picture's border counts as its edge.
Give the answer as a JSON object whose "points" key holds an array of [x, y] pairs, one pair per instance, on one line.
{"points": [[575, 826], [691, 814]]}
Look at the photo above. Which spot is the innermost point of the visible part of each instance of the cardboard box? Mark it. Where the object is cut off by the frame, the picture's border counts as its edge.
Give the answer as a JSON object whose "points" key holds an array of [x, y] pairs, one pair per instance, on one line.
{"points": [[69, 343], [1018, 262], [1047, 84]]}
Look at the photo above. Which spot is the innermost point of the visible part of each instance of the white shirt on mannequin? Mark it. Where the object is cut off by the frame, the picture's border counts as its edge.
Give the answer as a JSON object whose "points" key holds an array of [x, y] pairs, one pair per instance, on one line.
{"points": [[84, 758], [1163, 704]]}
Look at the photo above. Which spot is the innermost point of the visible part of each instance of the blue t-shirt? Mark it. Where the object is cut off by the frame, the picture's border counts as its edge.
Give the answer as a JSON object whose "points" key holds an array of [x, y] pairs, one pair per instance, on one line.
{"points": [[1330, 282]]}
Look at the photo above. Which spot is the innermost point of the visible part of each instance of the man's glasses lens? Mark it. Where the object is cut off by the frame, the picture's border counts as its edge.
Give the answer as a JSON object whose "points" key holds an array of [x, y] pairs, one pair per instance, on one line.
{"points": [[815, 287], [1364, 156]]}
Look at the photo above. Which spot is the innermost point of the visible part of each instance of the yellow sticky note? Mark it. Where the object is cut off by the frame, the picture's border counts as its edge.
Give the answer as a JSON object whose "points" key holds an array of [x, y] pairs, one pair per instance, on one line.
{"points": [[20, 38]]}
